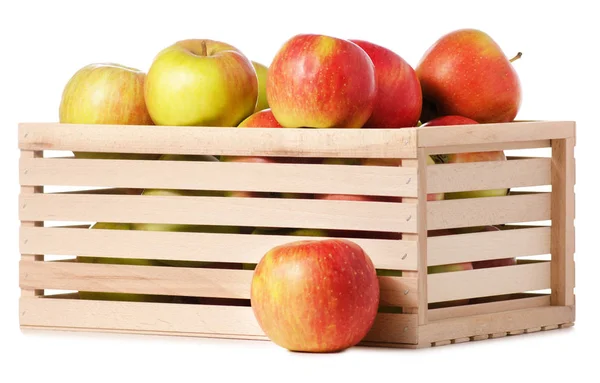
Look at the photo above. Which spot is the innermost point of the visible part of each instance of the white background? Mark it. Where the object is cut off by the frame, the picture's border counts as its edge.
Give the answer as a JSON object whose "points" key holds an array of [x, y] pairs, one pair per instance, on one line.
{"points": [[44, 43]]}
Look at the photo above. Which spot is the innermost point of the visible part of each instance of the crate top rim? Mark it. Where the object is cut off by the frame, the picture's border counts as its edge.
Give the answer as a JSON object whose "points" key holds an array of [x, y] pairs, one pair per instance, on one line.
{"points": [[50, 135]]}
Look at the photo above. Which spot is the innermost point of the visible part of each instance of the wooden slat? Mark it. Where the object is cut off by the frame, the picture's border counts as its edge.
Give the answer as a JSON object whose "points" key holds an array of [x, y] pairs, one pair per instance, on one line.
{"points": [[487, 282], [348, 143], [31, 190], [272, 177], [485, 324], [563, 216], [526, 301], [489, 147], [443, 250], [488, 175], [179, 319], [321, 214], [213, 247], [176, 281], [475, 134], [488, 211]]}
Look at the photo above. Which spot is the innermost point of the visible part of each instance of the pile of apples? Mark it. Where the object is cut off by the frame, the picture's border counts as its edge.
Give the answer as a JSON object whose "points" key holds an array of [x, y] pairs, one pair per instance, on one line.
{"points": [[323, 295]]}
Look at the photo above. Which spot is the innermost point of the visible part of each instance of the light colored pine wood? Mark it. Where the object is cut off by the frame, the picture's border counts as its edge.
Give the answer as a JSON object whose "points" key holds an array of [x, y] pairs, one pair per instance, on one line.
{"points": [[489, 147], [563, 216], [271, 177], [320, 214], [442, 343], [475, 134], [550, 327], [458, 248], [487, 282], [488, 211], [199, 320], [488, 175], [532, 330], [176, 281], [516, 332], [487, 308], [212, 247], [498, 335], [480, 337], [566, 325], [32, 189], [344, 143], [460, 340], [485, 324]]}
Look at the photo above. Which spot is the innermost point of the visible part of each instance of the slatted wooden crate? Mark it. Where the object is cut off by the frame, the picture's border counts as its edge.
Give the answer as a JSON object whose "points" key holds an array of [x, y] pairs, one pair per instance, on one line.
{"points": [[184, 299]]}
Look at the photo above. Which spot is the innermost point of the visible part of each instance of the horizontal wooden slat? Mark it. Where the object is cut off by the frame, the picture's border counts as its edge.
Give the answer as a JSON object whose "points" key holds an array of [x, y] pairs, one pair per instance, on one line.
{"points": [[431, 136], [486, 324], [268, 212], [349, 143], [487, 175], [489, 147], [521, 302], [467, 212], [487, 245], [178, 319], [487, 282], [213, 247], [270, 177], [176, 281]]}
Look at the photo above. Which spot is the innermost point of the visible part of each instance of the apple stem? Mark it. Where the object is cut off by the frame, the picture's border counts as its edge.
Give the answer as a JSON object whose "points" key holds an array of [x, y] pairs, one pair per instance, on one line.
{"points": [[203, 48], [518, 56]]}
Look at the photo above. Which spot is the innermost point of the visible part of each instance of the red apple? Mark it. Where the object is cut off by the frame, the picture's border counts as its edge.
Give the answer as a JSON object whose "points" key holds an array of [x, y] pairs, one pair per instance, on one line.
{"points": [[261, 119], [399, 100], [319, 81], [466, 73], [449, 121], [315, 296]]}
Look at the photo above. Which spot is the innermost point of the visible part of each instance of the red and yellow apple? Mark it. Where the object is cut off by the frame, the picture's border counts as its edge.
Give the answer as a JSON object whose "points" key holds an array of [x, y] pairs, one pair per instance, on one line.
{"points": [[319, 81], [260, 119], [201, 82], [466, 73], [315, 295], [399, 100], [262, 73], [108, 94]]}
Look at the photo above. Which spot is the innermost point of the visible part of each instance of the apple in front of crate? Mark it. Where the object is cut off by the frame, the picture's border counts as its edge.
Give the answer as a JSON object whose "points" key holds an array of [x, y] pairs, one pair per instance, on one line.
{"points": [[466, 73], [201, 82], [107, 94], [319, 81], [262, 73], [292, 289], [399, 100], [115, 261]]}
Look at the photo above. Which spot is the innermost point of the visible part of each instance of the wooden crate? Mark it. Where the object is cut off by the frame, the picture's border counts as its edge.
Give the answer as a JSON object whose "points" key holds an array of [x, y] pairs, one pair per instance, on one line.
{"points": [[214, 302]]}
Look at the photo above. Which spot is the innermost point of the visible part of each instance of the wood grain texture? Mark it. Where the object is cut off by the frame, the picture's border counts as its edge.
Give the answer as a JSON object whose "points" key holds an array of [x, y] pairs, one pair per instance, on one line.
{"points": [[487, 245], [490, 307], [487, 282], [563, 217], [212, 247], [173, 281], [485, 324], [489, 147], [180, 318], [488, 175], [488, 211], [344, 143], [432, 136], [261, 177], [268, 212]]}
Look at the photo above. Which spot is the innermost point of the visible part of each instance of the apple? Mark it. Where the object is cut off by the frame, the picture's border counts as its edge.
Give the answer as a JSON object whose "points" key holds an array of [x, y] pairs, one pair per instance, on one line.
{"points": [[108, 94], [341, 161], [466, 73], [399, 100], [116, 261], [315, 295], [319, 81], [201, 82], [260, 119], [261, 73]]}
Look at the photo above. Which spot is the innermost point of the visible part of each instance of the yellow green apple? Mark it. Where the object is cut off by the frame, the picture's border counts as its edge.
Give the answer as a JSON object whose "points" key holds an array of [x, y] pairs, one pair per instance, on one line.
{"points": [[201, 82], [261, 73]]}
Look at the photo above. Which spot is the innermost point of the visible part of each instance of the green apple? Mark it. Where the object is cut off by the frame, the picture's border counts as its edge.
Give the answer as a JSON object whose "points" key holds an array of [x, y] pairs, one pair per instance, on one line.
{"points": [[201, 82], [108, 94], [115, 261], [261, 73]]}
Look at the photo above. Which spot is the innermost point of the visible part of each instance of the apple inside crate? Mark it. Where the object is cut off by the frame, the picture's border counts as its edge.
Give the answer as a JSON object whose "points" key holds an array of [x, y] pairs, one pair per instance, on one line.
{"points": [[171, 243]]}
